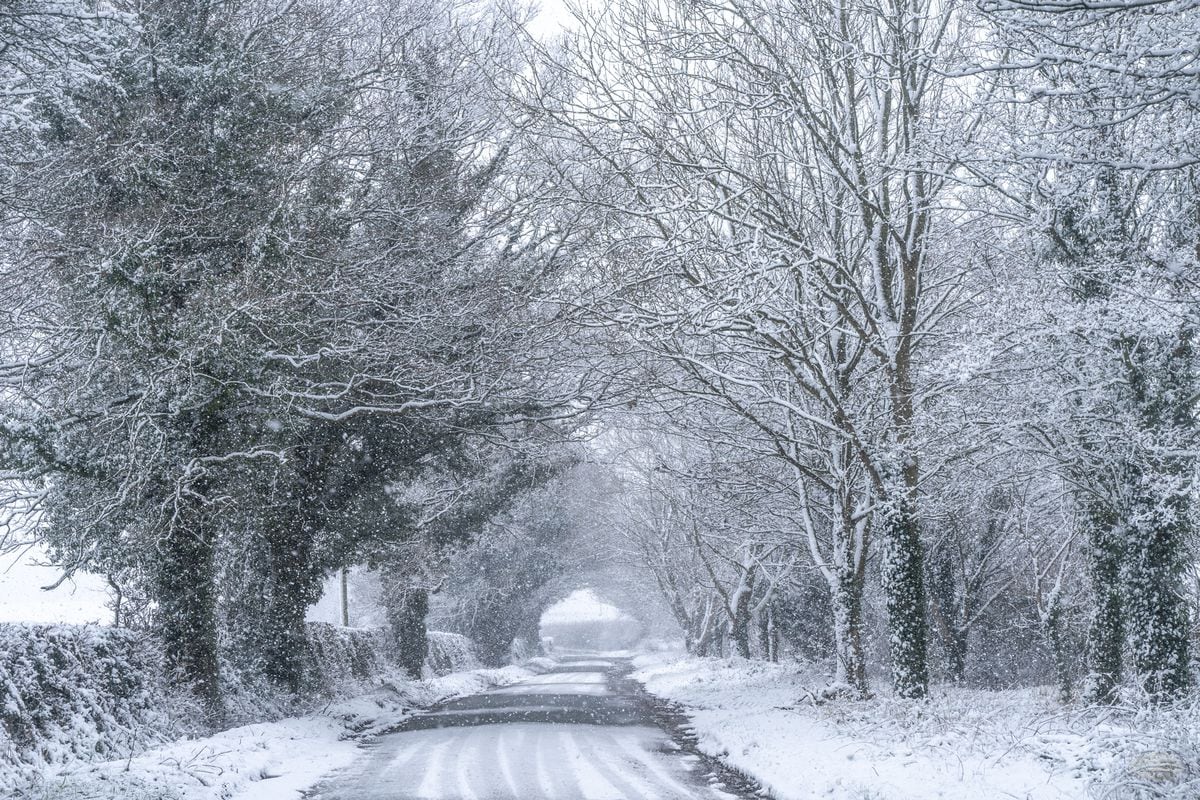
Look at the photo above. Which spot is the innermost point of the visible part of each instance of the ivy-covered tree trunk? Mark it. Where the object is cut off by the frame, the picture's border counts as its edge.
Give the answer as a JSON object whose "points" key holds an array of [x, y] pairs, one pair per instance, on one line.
{"points": [[903, 550], [1155, 609], [406, 611], [1106, 634], [944, 599], [904, 588], [187, 605], [1163, 383], [293, 585], [1053, 628]]}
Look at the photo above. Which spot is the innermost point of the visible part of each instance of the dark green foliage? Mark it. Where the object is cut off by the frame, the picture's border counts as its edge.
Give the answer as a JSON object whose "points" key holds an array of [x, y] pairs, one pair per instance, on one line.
{"points": [[406, 615]]}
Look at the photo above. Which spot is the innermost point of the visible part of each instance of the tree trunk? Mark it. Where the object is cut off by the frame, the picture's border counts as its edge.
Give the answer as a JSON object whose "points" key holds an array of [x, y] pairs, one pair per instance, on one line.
{"points": [[1155, 610], [702, 633], [943, 596], [1163, 381], [187, 608], [407, 613], [1106, 634], [344, 585], [846, 599], [739, 629], [903, 551], [904, 588], [293, 587], [766, 633], [1052, 627]]}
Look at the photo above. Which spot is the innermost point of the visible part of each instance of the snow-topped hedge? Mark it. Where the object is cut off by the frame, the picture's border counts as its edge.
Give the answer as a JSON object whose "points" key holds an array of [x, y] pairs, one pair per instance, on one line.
{"points": [[343, 660], [70, 692], [450, 652], [78, 691]]}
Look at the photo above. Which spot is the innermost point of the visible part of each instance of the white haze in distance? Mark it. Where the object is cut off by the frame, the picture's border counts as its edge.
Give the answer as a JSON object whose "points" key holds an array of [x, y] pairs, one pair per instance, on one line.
{"points": [[582, 606]]}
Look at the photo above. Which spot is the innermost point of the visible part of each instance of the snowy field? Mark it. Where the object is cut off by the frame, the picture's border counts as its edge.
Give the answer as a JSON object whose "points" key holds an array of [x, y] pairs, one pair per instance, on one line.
{"points": [[24, 573], [961, 745]]}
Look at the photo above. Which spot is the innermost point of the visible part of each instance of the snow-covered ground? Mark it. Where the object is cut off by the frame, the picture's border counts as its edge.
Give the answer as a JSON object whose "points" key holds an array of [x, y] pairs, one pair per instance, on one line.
{"points": [[267, 761], [960, 745]]}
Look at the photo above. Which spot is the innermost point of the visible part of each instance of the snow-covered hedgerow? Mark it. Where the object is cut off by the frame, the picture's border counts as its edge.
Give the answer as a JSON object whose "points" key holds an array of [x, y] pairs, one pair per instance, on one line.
{"points": [[264, 760], [80, 691], [339, 663], [85, 692], [341, 660], [450, 652]]}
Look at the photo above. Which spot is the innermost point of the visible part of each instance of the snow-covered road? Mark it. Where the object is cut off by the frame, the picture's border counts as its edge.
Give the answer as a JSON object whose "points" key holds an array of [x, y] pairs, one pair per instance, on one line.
{"points": [[570, 734]]}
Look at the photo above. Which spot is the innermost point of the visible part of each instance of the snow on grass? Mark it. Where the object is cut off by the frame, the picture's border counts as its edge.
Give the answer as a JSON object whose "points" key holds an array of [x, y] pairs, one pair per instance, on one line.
{"points": [[962, 744], [267, 761]]}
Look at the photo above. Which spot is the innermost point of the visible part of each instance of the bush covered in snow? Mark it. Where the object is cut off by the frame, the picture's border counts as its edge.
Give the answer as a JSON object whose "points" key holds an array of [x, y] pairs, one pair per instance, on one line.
{"points": [[450, 652], [80, 691]]}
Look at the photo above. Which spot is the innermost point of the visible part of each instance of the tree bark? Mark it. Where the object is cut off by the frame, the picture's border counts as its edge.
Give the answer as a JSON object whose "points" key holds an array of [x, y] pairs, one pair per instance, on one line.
{"points": [[944, 600], [1162, 379], [904, 587], [407, 613], [1155, 610], [187, 609], [739, 628], [846, 599], [1052, 627], [1106, 634], [293, 586]]}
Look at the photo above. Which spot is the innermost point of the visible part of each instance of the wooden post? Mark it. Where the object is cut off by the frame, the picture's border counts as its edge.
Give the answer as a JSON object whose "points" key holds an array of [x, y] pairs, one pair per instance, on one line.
{"points": [[345, 598]]}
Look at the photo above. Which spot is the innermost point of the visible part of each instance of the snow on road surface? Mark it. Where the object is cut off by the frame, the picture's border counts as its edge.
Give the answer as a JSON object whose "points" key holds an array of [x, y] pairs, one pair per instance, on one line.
{"points": [[559, 683], [521, 761], [564, 735]]}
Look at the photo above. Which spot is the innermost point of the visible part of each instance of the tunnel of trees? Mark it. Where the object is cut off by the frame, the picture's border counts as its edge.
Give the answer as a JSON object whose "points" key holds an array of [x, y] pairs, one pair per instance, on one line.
{"points": [[888, 366]]}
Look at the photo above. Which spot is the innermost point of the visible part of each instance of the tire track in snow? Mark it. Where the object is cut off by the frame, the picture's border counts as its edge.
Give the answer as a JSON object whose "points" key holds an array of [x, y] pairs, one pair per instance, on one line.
{"points": [[503, 756], [574, 739], [464, 767], [591, 784], [609, 764], [544, 778], [405, 756], [651, 761], [429, 788]]}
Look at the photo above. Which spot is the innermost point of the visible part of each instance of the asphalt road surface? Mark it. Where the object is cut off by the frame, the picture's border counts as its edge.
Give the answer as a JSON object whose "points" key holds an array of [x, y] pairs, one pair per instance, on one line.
{"points": [[581, 732]]}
